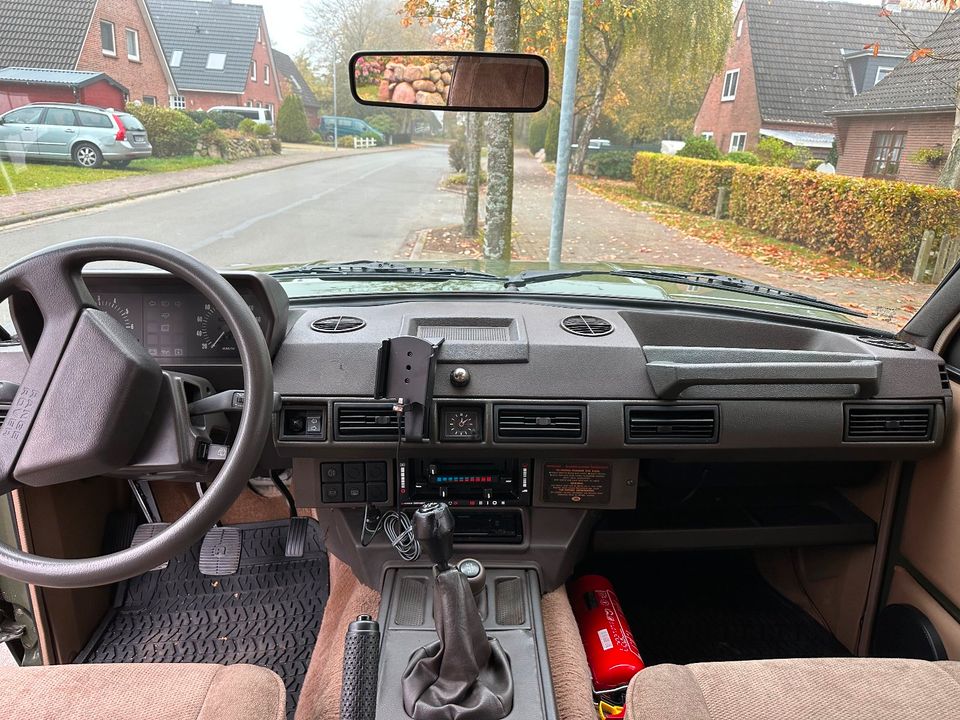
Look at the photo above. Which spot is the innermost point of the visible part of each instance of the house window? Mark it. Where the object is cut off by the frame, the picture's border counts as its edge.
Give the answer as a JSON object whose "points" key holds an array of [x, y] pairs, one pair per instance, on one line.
{"points": [[707, 135], [216, 61], [149, 100], [266, 74], [253, 70], [133, 45], [882, 72], [176, 58], [740, 28], [886, 150], [178, 102], [730, 81], [108, 38], [259, 34], [738, 141]]}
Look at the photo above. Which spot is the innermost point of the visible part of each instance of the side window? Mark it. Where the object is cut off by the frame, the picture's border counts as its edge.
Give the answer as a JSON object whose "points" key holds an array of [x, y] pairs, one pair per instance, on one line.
{"points": [[108, 38], [92, 119], [60, 116], [24, 116]]}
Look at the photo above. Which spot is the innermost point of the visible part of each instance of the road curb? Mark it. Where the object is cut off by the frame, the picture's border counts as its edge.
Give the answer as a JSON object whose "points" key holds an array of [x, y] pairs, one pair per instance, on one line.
{"points": [[6, 222]]}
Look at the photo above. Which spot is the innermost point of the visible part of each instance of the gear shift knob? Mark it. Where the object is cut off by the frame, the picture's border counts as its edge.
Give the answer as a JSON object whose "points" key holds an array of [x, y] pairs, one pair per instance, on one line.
{"points": [[433, 528]]}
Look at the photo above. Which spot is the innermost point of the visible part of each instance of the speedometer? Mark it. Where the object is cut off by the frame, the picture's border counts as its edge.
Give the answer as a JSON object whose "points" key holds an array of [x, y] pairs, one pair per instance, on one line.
{"points": [[212, 331]]}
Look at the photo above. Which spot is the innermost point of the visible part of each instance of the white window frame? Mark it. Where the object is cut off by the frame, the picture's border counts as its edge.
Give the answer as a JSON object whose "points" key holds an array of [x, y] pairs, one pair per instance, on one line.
{"points": [[178, 102], [113, 34], [260, 34], [707, 135], [731, 82], [135, 56], [736, 146], [176, 57], [886, 70], [253, 70], [739, 28], [149, 100], [216, 61], [266, 74]]}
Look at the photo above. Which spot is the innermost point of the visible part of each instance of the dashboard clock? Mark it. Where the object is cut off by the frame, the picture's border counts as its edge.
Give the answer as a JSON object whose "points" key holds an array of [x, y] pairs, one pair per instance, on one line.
{"points": [[460, 424]]}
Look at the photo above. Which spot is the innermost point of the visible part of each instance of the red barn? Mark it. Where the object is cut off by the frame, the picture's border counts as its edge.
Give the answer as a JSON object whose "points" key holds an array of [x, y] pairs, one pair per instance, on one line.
{"points": [[20, 86]]}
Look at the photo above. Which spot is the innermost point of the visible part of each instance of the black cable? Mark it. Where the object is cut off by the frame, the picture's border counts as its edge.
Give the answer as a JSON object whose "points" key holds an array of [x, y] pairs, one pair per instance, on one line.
{"points": [[282, 487]]}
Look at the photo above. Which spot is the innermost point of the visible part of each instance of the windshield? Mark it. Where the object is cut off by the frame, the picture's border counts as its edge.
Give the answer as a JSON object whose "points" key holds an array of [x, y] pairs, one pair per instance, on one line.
{"points": [[801, 151]]}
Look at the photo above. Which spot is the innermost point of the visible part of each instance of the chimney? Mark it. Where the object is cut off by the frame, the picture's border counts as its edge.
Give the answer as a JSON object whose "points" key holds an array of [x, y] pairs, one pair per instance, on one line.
{"points": [[891, 5]]}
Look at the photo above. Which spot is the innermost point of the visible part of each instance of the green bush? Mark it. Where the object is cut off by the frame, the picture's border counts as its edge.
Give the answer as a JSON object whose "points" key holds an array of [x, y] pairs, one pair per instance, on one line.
{"points": [[292, 124], [171, 132], [812, 164], [878, 223], [616, 164], [553, 135], [384, 123], [457, 154], [263, 130], [698, 147], [742, 157], [248, 126], [772, 151], [537, 133], [684, 182]]}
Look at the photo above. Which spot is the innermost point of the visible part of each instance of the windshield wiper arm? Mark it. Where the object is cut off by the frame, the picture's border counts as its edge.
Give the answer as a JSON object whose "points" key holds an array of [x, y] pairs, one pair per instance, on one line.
{"points": [[385, 271], [698, 279]]}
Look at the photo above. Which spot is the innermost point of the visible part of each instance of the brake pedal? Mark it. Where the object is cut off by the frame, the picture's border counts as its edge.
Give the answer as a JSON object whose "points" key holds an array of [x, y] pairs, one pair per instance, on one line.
{"points": [[220, 552], [296, 537]]}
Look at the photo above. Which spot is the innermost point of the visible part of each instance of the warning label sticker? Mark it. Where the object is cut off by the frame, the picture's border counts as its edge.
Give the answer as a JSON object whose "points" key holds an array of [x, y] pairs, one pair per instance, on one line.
{"points": [[605, 642], [577, 482]]}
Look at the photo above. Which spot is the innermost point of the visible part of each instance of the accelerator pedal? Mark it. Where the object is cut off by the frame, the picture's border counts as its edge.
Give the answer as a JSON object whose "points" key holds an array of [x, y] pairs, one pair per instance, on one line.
{"points": [[296, 537], [145, 532], [220, 551]]}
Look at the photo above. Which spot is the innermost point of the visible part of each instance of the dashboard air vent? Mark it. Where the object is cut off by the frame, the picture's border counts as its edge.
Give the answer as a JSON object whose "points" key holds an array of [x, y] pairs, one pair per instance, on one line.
{"points": [[540, 423], [366, 422], [4, 409], [944, 378], [586, 325], [672, 424], [888, 423], [887, 343], [337, 324]]}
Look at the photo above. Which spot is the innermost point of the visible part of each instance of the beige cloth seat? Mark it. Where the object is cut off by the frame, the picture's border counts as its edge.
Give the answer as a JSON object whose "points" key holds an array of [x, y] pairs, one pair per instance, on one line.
{"points": [[141, 692], [823, 689]]}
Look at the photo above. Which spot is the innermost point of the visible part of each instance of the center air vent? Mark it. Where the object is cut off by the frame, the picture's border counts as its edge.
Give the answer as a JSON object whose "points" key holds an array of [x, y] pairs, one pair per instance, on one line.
{"points": [[337, 324], [365, 422], [586, 325], [670, 424], [888, 423], [539, 423]]}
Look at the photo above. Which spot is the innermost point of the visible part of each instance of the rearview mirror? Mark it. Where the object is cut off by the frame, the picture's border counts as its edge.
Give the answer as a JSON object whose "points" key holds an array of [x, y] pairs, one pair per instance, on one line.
{"points": [[486, 82]]}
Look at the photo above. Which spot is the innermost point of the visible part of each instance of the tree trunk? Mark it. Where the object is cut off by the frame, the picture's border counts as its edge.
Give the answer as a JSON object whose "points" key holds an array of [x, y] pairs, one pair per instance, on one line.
{"points": [[471, 208], [499, 224], [589, 123]]}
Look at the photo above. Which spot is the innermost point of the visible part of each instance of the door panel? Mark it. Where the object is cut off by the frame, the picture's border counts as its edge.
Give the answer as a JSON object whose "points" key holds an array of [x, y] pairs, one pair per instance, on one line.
{"points": [[18, 133], [907, 591], [57, 133]]}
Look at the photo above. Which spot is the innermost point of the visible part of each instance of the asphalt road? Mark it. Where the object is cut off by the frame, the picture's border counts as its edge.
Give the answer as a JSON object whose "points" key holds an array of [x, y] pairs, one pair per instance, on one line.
{"points": [[355, 207]]}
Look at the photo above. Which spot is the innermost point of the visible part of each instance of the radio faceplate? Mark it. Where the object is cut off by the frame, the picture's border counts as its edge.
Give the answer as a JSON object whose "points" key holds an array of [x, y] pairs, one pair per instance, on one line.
{"points": [[498, 483]]}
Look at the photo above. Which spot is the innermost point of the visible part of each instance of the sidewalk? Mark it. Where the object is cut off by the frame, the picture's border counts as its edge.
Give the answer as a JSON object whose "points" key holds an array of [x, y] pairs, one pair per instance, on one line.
{"points": [[54, 201]]}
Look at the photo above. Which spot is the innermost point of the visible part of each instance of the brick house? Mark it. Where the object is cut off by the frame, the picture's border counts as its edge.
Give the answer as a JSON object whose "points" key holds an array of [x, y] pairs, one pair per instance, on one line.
{"points": [[114, 37], [292, 81], [913, 108], [218, 53], [790, 61]]}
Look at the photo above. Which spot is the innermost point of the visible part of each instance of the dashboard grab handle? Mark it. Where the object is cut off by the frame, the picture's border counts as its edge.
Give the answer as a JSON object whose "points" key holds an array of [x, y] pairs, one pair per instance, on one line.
{"points": [[670, 379]]}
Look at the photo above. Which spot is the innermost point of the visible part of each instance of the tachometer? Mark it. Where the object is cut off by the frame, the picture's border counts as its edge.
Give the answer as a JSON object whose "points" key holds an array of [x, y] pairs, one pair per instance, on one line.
{"points": [[119, 310]]}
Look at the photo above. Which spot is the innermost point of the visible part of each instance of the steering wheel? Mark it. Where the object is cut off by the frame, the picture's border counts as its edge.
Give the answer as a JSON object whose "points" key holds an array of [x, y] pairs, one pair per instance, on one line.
{"points": [[94, 402]]}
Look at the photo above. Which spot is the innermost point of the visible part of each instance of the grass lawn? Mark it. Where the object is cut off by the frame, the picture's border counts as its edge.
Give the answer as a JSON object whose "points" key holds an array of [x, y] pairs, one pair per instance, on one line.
{"points": [[20, 177], [730, 236]]}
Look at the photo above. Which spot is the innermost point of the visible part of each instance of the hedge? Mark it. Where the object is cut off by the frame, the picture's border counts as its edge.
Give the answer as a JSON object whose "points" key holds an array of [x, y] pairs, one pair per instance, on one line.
{"points": [[171, 132], [616, 164], [877, 223]]}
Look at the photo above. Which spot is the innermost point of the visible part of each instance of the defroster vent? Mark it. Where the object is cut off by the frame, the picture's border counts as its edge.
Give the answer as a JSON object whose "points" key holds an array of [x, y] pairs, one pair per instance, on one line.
{"points": [[670, 424], [540, 423], [586, 325], [888, 423], [337, 324]]}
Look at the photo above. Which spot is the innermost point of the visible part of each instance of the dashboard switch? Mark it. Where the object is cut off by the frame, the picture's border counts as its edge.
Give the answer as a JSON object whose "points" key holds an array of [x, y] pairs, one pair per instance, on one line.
{"points": [[376, 472], [377, 492], [353, 492], [332, 492], [353, 472], [331, 472]]}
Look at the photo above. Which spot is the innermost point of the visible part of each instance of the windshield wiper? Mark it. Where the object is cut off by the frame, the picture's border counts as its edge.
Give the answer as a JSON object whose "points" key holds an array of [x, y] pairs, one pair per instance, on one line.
{"points": [[376, 270], [698, 279]]}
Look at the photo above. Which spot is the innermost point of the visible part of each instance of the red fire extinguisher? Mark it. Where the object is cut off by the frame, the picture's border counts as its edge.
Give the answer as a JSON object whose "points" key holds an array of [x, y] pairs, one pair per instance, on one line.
{"points": [[611, 650]]}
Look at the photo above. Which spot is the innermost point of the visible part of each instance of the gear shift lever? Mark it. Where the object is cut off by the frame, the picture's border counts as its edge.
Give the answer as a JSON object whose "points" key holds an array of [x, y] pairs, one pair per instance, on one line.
{"points": [[433, 528]]}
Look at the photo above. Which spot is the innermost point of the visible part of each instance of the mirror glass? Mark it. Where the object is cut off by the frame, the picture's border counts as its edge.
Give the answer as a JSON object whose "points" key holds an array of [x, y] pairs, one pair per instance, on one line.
{"points": [[453, 81]]}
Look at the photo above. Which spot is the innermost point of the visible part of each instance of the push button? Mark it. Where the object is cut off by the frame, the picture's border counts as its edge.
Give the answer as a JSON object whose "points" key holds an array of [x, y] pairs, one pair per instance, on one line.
{"points": [[331, 472], [376, 492], [353, 492], [353, 472], [376, 472], [331, 492]]}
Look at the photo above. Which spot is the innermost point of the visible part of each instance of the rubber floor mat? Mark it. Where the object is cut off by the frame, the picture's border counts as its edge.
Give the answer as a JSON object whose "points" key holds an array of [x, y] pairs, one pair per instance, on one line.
{"points": [[702, 608], [268, 613]]}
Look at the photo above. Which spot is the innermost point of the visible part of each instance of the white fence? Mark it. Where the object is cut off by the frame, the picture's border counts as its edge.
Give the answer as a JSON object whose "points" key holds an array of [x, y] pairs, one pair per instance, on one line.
{"points": [[360, 143]]}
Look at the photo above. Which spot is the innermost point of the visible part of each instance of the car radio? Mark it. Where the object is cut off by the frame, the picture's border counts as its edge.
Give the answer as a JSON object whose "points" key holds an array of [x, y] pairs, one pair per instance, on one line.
{"points": [[499, 483]]}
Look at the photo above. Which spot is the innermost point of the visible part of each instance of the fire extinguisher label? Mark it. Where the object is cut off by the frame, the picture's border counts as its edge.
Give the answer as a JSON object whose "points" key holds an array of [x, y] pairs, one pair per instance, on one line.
{"points": [[617, 634], [605, 642]]}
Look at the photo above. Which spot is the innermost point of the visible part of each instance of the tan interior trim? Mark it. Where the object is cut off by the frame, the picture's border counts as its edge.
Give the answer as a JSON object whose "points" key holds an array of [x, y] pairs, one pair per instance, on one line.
{"points": [[904, 590], [39, 608], [946, 336]]}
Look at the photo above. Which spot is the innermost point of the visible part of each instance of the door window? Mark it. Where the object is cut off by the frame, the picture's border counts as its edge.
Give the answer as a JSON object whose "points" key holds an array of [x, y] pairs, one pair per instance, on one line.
{"points": [[60, 116], [23, 116]]}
